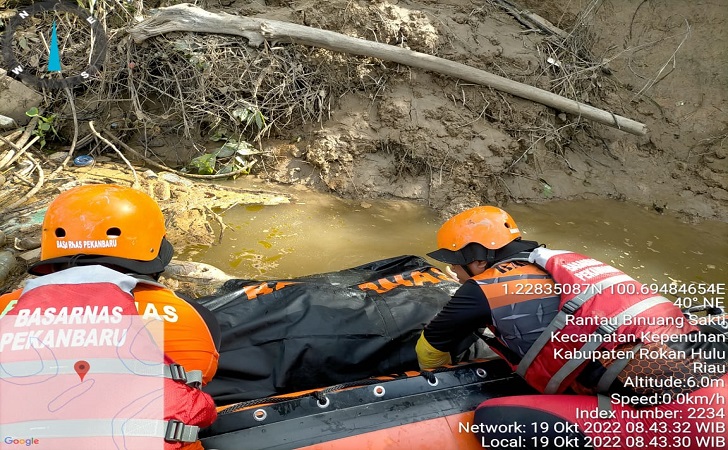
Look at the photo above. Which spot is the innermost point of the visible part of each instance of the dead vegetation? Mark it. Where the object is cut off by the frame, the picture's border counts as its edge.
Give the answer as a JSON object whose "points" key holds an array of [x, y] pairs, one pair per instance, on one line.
{"points": [[199, 87], [215, 87], [209, 90]]}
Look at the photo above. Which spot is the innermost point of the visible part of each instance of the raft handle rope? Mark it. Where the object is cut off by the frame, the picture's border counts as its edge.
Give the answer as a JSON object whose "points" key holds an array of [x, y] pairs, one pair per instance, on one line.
{"points": [[322, 401], [430, 377], [320, 396], [260, 401]]}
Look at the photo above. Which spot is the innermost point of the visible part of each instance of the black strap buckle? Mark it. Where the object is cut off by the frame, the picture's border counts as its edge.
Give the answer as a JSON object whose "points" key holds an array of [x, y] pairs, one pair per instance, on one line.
{"points": [[180, 432], [606, 328], [177, 372], [570, 307], [175, 431]]}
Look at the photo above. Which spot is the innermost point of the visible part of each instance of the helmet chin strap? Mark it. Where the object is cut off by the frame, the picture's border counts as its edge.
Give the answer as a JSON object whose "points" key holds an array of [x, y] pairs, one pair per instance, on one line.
{"points": [[467, 270], [490, 257]]}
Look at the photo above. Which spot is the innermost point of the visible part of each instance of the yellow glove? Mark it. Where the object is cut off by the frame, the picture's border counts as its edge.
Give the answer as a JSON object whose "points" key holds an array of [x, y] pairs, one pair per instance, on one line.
{"points": [[428, 356]]}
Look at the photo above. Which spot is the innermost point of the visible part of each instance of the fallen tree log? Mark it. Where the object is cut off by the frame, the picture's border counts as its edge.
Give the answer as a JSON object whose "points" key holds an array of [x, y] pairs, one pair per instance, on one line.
{"points": [[186, 17]]}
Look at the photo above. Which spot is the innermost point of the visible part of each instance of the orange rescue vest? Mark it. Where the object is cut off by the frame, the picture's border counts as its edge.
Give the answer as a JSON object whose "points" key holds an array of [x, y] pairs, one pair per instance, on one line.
{"points": [[595, 303], [522, 303]]}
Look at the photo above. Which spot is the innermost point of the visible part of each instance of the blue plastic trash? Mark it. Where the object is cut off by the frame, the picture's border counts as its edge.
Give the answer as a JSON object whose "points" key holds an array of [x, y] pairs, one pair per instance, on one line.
{"points": [[83, 161]]}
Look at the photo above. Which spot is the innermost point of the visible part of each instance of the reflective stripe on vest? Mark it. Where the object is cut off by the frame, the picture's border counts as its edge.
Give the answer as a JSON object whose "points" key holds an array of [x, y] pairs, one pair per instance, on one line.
{"points": [[573, 364], [512, 278], [82, 275], [11, 370], [89, 428]]}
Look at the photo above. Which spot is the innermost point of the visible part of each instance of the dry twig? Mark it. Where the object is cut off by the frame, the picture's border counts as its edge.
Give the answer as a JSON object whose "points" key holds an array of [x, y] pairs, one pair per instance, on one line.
{"points": [[32, 192], [20, 152], [10, 137], [672, 59], [121, 155]]}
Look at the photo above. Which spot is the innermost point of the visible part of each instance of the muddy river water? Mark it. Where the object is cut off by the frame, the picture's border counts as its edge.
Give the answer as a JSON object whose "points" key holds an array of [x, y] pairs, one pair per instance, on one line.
{"points": [[320, 233]]}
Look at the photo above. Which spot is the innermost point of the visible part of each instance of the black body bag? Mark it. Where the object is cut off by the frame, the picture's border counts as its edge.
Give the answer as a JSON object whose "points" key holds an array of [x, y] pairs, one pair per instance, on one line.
{"points": [[310, 332]]}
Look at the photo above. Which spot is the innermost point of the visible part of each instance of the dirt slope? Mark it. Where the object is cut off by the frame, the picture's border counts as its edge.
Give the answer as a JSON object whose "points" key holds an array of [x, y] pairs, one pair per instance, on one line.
{"points": [[428, 137]]}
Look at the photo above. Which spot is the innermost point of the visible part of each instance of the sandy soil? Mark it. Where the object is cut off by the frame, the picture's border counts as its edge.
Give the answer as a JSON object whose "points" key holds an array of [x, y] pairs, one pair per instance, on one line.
{"points": [[454, 145]]}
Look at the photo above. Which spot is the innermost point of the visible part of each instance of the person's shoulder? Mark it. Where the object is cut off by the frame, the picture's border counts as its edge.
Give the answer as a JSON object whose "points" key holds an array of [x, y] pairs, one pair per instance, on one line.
{"points": [[12, 295], [157, 293], [153, 299], [8, 300], [469, 289]]}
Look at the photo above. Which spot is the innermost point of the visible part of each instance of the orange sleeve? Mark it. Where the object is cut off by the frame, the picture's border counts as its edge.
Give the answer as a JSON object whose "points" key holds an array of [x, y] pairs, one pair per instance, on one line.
{"points": [[193, 446], [187, 340], [8, 301]]}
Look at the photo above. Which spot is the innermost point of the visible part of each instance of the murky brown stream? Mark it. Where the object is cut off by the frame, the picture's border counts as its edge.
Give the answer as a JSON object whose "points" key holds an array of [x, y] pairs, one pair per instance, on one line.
{"points": [[319, 233]]}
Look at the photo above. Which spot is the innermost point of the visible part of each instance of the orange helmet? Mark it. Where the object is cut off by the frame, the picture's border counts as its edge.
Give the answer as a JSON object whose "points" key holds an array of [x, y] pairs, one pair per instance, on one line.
{"points": [[104, 224], [490, 227]]}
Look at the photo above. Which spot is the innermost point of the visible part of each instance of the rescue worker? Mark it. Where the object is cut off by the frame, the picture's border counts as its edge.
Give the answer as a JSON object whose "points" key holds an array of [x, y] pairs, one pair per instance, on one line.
{"points": [[94, 236], [568, 324]]}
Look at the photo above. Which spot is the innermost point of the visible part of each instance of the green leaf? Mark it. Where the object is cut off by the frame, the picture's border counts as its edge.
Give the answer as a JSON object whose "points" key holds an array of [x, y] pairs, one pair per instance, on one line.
{"points": [[246, 149], [44, 126], [226, 169], [232, 147], [227, 150], [242, 114], [32, 112], [182, 45], [205, 164], [548, 192], [259, 120], [220, 134]]}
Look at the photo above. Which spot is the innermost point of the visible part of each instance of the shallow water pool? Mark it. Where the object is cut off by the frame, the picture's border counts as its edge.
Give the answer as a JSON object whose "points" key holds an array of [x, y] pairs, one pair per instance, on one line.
{"points": [[320, 233]]}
